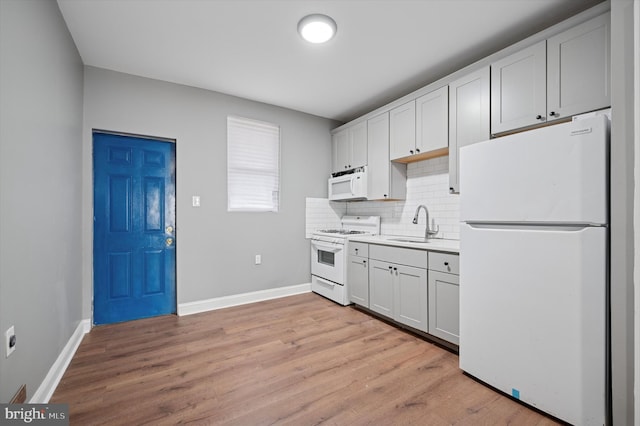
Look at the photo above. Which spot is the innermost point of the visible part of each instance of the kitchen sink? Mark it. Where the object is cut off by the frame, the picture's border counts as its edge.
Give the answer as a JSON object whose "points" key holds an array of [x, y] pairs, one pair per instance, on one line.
{"points": [[410, 240]]}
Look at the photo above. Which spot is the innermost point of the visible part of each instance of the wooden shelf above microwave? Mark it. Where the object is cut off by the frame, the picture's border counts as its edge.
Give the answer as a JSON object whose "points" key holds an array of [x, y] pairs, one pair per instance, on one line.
{"points": [[423, 156]]}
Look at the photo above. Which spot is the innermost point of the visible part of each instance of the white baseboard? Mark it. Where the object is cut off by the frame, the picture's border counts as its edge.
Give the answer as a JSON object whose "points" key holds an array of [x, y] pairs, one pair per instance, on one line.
{"points": [[190, 308], [48, 386]]}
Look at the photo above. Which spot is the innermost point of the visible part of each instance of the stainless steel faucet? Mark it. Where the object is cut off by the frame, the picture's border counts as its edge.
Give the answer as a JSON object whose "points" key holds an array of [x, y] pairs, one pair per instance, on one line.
{"points": [[428, 231]]}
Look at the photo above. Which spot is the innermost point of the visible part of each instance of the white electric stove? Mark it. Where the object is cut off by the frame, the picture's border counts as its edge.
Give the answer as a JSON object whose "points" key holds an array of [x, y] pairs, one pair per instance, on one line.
{"points": [[329, 256]]}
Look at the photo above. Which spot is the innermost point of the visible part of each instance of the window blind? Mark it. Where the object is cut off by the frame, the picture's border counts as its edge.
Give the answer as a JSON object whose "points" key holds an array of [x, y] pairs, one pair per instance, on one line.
{"points": [[253, 165]]}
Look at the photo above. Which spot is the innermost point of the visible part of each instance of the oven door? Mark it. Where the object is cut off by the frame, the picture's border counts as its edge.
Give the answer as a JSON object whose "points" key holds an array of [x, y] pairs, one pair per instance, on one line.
{"points": [[327, 260]]}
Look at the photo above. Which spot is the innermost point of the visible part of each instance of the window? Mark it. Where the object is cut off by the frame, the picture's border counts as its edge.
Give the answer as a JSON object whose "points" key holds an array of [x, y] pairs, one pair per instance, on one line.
{"points": [[253, 165]]}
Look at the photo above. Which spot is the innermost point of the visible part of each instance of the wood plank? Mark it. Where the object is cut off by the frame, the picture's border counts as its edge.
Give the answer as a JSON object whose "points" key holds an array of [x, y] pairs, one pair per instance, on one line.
{"points": [[296, 360]]}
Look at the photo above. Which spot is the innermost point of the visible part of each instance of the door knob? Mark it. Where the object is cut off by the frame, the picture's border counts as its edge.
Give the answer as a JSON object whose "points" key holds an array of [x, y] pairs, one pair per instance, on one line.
{"points": [[169, 242], [169, 229]]}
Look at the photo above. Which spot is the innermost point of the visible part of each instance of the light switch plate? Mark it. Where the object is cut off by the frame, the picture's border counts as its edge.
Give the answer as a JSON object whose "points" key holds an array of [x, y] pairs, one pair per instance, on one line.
{"points": [[195, 201]]}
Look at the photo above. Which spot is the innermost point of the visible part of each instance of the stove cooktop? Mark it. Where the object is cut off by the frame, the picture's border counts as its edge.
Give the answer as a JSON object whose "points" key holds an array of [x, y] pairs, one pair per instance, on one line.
{"points": [[341, 231], [352, 225]]}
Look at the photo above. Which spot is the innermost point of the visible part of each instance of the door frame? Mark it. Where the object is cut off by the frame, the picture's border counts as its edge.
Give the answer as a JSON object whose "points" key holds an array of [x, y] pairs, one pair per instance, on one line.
{"points": [[93, 131]]}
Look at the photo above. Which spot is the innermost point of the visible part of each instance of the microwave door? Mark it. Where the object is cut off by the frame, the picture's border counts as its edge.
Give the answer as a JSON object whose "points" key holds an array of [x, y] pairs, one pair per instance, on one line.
{"points": [[341, 188]]}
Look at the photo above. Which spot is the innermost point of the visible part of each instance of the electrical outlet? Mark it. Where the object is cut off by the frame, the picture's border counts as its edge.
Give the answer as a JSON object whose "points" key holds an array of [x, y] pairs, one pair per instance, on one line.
{"points": [[10, 341], [258, 259]]}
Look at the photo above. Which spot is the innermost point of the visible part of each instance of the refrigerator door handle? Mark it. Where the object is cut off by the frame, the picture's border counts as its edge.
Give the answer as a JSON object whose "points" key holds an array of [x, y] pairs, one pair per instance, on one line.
{"points": [[559, 227]]}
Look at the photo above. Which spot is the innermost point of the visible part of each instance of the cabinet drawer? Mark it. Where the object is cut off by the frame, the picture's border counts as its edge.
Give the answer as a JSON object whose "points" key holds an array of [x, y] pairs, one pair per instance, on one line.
{"points": [[444, 262], [399, 255], [358, 249]]}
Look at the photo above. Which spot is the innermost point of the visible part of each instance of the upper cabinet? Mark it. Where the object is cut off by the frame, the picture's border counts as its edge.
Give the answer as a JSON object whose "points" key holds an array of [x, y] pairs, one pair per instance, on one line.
{"points": [[420, 128], [468, 117], [554, 79], [564, 71], [402, 127], [350, 147], [519, 89], [578, 69], [387, 180], [432, 121]]}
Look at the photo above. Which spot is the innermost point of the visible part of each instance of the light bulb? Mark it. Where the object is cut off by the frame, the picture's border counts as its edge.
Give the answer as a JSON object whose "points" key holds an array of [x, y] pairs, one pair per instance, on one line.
{"points": [[317, 28]]}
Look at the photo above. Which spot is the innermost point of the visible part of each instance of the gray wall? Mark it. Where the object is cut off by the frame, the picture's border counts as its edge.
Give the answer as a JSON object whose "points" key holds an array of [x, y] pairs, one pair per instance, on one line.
{"points": [[623, 255], [216, 249], [40, 189]]}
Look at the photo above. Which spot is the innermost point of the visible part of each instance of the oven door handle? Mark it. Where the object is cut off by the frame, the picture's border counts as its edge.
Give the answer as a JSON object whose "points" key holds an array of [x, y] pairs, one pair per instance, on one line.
{"points": [[325, 282], [326, 247]]}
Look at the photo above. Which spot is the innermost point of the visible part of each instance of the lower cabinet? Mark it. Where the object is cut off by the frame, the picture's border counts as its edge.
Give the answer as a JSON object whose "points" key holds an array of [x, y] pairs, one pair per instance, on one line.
{"points": [[417, 288], [444, 299], [444, 310], [381, 287], [358, 274], [399, 292], [410, 297], [398, 287], [358, 279]]}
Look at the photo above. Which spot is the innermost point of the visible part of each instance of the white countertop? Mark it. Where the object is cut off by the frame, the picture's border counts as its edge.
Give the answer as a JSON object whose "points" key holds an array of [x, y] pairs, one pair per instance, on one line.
{"points": [[434, 244]]}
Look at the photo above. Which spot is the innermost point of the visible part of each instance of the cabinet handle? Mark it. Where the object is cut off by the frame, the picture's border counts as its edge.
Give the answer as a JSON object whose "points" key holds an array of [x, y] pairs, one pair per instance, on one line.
{"points": [[417, 149], [364, 262], [385, 195], [411, 151], [538, 117], [346, 167], [553, 114], [446, 263]]}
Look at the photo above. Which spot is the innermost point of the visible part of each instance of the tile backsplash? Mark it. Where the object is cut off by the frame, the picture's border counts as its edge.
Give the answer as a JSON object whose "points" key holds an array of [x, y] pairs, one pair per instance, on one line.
{"points": [[323, 214], [427, 183]]}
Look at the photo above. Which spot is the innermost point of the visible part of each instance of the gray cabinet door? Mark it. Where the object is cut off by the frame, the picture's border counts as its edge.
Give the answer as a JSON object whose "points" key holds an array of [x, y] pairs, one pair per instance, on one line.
{"points": [[381, 287], [411, 296], [578, 69], [402, 129], [358, 280], [519, 89], [378, 157], [444, 306], [341, 151], [468, 117], [432, 121], [387, 180], [350, 147], [358, 141]]}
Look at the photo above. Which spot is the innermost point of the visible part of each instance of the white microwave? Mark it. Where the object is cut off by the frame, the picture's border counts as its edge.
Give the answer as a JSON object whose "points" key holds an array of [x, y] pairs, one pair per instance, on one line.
{"points": [[349, 186]]}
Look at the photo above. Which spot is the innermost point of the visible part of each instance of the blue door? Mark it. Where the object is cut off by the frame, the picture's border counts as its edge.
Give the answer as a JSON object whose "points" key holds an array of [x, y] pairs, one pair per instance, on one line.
{"points": [[134, 248]]}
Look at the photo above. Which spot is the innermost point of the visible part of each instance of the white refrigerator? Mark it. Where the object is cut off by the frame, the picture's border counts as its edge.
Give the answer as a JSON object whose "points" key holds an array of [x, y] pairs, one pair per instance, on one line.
{"points": [[533, 267]]}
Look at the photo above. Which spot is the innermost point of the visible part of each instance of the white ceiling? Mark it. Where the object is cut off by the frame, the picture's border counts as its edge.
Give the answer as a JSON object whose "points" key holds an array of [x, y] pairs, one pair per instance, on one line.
{"points": [[383, 49]]}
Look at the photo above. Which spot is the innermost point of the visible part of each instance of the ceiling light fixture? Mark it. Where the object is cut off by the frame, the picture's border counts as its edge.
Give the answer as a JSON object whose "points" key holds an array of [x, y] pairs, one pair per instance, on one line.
{"points": [[317, 28]]}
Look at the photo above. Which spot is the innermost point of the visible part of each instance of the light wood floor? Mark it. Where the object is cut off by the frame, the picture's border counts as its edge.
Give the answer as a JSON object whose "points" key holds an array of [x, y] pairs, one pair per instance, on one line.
{"points": [[299, 360]]}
